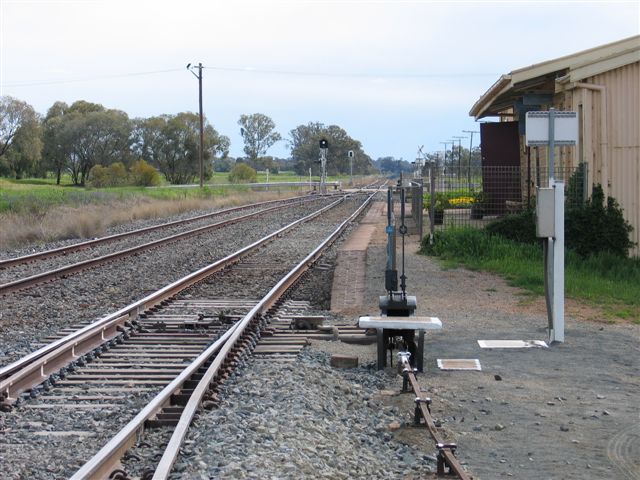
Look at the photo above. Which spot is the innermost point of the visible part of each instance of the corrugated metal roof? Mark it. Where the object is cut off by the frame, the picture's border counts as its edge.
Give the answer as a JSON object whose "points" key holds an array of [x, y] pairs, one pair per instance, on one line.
{"points": [[575, 68]]}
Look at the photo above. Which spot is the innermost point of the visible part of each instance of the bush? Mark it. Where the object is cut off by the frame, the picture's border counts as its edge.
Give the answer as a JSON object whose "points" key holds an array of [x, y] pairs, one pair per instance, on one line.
{"points": [[144, 175], [590, 228], [114, 175], [242, 173], [520, 227], [593, 228]]}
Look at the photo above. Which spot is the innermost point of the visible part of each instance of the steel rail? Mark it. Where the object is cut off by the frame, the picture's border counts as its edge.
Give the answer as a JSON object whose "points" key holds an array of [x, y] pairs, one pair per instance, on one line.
{"points": [[39, 278], [109, 456], [36, 367], [105, 461], [445, 450], [10, 262]]}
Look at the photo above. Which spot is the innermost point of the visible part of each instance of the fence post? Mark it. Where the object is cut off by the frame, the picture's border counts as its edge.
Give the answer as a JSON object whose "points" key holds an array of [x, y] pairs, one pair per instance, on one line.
{"points": [[432, 206]]}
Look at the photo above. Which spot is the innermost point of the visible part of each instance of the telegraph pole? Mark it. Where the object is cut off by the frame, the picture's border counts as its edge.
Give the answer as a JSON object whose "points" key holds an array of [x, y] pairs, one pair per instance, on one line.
{"points": [[459, 154], [444, 162], [201, 153], [470, 132]]}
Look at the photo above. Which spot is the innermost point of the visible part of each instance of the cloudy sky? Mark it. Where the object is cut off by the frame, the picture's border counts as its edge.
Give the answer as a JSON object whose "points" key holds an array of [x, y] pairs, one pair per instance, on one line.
{"points": [[394, 74]]}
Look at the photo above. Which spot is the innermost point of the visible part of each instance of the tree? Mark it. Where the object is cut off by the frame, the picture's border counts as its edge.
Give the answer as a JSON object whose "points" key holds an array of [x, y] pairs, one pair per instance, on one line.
{"points": [[258, 134], [393, 165], [171, 142], [95, 137], [305, 150], [85, 134], [53, 151], [20, 137]]}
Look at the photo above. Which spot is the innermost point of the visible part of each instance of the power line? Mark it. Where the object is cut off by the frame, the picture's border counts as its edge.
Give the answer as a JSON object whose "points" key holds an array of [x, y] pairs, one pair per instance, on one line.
{"points": [[353, 74], [88, 79], [249, 70]]}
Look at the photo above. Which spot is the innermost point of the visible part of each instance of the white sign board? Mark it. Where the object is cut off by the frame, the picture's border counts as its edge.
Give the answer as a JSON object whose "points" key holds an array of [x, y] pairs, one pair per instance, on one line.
{"points": [[565, 128]]}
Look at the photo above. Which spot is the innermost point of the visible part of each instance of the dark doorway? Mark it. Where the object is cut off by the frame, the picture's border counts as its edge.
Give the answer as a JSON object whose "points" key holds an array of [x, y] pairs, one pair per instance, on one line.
{"points": [[500, 150]]}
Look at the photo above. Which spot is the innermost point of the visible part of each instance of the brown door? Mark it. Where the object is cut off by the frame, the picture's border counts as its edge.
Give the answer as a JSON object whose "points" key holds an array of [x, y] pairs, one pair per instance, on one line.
{"points": [[500, 149]]}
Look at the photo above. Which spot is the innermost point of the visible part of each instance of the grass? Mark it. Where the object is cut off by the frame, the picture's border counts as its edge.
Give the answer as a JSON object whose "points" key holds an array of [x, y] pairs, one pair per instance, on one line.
{"points": [[606, 281], [36, 212]]}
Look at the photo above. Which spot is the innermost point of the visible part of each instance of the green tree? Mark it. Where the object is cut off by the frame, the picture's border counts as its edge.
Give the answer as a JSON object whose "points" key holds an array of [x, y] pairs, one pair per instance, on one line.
{"points": [[85, 134], [305, 150], [20, 137], [258, 133], [171, 143], [53, 152]]}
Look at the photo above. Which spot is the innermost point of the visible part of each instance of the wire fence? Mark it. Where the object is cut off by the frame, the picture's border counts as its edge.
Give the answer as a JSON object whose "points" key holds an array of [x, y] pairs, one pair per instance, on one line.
{"points": [[479, 195]]}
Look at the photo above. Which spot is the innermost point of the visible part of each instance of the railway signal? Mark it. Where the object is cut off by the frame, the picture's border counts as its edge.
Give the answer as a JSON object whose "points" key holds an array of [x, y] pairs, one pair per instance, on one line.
{"points": [[324, 146]]}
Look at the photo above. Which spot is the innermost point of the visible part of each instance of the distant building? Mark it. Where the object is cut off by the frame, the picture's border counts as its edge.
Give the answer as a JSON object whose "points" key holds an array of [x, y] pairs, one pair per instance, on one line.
{"points": [[601, 84]]}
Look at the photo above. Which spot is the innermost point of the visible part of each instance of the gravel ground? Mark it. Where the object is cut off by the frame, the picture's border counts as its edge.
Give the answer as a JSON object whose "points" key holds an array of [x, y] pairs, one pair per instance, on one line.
{"points": [[25, 270], [566, 412], [47, 443], [570, 411], [28, 316]]}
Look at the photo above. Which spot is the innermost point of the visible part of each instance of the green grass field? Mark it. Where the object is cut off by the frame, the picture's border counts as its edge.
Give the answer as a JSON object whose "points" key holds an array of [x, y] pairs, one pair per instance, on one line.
{"points": [[38, 195], [605, 281]]}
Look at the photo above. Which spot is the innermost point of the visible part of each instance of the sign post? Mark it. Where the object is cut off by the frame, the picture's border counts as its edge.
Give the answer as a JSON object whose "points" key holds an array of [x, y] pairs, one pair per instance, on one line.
{"points": [[552, 128]]}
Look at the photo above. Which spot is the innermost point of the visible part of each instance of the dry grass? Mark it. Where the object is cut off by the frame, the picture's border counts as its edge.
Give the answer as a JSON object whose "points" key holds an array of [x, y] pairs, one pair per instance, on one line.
{"points": [[64, 222]]}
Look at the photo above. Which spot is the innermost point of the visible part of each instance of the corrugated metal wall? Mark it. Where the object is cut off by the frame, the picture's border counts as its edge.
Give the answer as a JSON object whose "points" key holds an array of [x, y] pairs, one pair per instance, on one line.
{"points": [[612, 144]]}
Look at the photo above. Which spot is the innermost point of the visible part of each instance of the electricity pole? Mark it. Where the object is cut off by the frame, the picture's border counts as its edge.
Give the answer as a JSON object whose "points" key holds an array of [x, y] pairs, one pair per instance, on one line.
{"points": [[470, 132], [201, 153], [444, 162], [459, 154]]}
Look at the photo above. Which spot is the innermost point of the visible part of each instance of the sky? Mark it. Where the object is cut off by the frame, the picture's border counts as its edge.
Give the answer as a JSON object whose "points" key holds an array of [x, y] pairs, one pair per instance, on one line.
{"points": [[395, 74]]}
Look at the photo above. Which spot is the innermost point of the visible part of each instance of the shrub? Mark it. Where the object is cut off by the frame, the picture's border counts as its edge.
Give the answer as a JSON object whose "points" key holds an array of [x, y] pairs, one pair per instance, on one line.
{"points": [[114, 175], [242, 173], [144, 175], [520, 227], [593, 228]]}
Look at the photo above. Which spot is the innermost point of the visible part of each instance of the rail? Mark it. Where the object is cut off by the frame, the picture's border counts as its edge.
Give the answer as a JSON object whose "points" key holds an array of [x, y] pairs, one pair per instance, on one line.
{"points": [[36, 367], [108, 457], [9, 262], [446, 457], [83, 265]]}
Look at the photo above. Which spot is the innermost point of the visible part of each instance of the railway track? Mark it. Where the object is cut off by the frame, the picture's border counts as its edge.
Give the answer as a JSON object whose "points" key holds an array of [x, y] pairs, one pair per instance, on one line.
{"points": [[74, 247], [149, 345], [94, 253], [46, 308]]}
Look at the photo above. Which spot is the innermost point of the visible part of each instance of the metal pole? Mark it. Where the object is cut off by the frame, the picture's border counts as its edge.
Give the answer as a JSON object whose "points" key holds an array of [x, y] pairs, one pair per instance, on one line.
{"points": [[201, 126], [459, 155], [552, 144], [470, 132]]}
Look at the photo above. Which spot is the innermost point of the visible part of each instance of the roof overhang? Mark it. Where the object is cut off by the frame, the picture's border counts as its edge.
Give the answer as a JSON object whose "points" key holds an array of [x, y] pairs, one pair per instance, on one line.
{"points": [[540, 79]]}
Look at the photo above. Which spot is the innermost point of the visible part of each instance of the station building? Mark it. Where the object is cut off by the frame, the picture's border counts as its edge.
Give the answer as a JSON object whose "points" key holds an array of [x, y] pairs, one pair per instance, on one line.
{"points": [[602, 85]]}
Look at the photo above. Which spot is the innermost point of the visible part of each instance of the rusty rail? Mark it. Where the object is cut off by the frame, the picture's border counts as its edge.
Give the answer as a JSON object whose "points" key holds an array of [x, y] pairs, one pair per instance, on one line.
{"points": [[33, 280], [446, 451], [32, 369], [10, 262], [108, 457]]}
